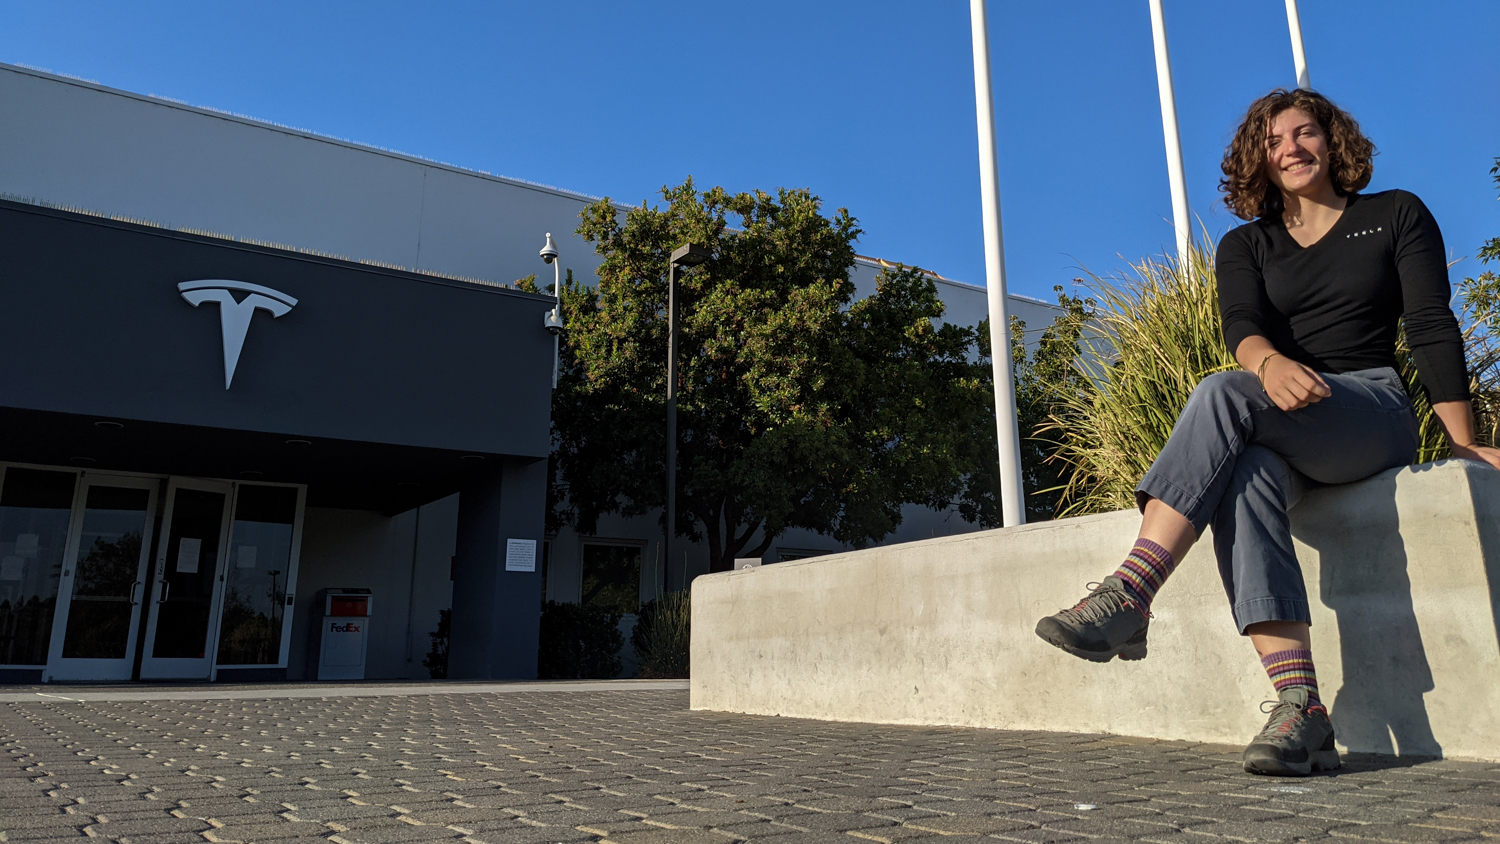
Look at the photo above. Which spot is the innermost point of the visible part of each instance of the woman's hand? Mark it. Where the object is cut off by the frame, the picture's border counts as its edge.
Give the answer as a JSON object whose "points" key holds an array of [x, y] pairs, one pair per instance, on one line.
{"points": [[1290, 384], [1457, 419], [1478, 453]]}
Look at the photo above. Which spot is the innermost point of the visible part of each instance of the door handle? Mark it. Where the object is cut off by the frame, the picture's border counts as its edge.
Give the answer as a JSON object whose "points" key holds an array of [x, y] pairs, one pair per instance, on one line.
{"points": [[166, 589], [133, 587]]}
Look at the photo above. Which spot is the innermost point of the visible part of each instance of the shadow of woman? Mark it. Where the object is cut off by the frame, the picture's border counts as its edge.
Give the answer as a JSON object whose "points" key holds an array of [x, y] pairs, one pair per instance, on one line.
{"points": [[1363, 579]]}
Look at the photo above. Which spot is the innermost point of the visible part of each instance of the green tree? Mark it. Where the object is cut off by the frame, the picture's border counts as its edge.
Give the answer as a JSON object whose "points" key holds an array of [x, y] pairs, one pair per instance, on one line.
{"points": [[798, 407], [1044, 377]]}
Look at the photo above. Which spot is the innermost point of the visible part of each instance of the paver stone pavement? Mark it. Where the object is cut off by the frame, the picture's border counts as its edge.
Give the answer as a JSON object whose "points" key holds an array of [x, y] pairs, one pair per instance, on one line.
{"points": [[634, 765]]}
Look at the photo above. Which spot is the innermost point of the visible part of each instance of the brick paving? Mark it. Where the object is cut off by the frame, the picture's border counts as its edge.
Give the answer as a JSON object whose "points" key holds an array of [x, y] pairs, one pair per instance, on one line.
{"points": [[637, 767]]}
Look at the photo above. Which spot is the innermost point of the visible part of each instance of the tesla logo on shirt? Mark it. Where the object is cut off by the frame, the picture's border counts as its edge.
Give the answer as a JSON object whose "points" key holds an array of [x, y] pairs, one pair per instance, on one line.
{"points": [[235, 314]]}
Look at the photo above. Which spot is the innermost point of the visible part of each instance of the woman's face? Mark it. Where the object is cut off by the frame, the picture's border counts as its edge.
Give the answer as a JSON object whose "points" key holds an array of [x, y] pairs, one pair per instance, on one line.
{"points": [[1297, 154]]}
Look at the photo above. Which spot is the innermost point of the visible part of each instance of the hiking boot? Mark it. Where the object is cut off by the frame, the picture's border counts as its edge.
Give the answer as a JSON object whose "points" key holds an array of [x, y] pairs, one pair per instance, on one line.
{"points": [[1106, 624], [1295, 742]]}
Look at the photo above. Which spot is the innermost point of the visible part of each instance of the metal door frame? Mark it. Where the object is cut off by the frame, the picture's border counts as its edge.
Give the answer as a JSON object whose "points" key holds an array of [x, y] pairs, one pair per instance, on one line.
{"points": [[198, 668], [100, 669], [292, 565]]}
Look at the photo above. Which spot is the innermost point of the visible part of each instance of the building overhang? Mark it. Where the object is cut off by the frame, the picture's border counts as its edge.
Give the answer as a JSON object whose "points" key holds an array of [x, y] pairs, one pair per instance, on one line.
{"points": [[216, 358]]}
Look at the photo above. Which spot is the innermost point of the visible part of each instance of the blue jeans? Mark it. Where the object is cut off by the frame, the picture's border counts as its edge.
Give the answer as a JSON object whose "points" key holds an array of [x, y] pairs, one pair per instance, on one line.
{"points": [[1237, 461]]}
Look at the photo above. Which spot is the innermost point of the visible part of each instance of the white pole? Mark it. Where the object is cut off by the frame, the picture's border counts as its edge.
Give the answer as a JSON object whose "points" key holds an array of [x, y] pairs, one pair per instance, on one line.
{"points": [[1299, 53], [557, 310], [1012, 501], [1176, 177]]}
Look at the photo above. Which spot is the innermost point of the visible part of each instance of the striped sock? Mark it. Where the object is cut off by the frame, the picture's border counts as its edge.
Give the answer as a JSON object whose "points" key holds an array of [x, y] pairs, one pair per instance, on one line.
{"points": [[1290, 669], [1144, 571]]}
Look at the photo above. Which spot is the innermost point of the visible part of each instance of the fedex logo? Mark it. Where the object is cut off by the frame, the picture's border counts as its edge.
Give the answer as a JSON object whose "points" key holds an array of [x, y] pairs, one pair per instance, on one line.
{"points": [[348, 627]]}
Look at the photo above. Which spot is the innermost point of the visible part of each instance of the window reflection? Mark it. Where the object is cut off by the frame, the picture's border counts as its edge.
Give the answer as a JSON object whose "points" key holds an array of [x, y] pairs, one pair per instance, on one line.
{"points": [[34, 510], [612, 577], [255, 584], [109, 561]]}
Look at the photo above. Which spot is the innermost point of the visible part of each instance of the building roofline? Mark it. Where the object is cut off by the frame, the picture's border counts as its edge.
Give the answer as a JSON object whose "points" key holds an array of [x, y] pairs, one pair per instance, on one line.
{"points": [[306, 134], [11, 202], [962, 285]]}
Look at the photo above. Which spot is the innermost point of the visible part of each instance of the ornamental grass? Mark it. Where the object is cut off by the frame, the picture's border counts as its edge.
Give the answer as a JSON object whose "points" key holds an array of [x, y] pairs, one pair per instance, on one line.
{"points": [[1158, 334], [665, 643]]}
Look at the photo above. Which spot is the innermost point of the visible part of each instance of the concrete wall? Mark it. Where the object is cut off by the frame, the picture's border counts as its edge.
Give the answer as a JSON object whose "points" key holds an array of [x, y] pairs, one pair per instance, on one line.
{"points": [[405, 559], [1403, 571]]}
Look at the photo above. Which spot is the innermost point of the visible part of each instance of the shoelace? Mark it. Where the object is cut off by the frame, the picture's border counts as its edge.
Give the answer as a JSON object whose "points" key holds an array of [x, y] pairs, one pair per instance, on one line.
{"points": [[1283, 719], [1099, 605]]}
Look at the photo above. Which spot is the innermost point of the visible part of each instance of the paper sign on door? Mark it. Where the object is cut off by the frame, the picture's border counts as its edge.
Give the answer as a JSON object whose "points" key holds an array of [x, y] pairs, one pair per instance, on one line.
{"points": [[188, 550], [245, 557]]}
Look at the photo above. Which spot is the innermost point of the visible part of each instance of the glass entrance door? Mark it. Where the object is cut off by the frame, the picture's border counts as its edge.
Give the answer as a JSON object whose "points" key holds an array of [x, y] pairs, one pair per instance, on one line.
{"points": [[103, 578], [35, 505], [187, 581], [258, 579]]}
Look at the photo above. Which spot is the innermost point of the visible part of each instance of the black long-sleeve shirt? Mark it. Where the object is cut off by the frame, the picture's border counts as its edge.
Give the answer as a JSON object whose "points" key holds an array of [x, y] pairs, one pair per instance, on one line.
{"points": [[1334, 305]]}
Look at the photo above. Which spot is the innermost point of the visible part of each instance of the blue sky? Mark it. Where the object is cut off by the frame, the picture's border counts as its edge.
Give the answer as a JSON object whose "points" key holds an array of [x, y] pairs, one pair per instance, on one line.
{"points": [[868, 103]]}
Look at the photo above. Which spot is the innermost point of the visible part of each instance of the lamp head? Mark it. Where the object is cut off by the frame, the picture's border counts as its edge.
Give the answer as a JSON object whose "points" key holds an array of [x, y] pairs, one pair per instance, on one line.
{"points": [[549, 252], [690, 254]]}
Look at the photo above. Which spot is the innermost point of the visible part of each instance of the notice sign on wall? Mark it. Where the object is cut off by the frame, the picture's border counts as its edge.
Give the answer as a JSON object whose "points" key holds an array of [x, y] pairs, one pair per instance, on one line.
{"points": [[520, 555]]}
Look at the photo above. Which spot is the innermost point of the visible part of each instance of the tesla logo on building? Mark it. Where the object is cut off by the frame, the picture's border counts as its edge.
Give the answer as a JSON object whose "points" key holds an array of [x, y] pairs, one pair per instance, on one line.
{"points": [[235, 314]]}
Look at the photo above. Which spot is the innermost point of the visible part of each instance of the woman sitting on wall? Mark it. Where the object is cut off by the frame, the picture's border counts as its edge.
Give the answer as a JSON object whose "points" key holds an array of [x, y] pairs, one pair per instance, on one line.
{"points": [[1311, 293]]}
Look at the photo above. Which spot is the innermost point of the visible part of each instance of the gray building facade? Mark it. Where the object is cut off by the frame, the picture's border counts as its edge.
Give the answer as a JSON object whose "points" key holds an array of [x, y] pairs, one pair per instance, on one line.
{"points": [[351, 380], [178, 413]]}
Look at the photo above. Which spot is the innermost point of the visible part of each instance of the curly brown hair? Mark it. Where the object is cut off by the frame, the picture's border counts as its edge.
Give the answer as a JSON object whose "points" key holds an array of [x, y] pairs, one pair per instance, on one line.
{"points": [[1248, 191]]}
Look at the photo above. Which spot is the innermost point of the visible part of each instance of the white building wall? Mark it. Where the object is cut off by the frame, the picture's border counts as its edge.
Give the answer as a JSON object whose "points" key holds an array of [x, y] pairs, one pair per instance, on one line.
{"points": [[99, 149], [966, 304]]}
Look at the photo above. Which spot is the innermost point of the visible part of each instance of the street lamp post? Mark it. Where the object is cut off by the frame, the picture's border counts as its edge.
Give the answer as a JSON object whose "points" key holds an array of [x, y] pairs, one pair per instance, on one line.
{"points": [[687, 255], [553, 320]]}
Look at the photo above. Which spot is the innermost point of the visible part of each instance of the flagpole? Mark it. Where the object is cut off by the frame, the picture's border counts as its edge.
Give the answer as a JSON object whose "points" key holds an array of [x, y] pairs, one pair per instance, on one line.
{"points": [[1176, 176], [1299, 53], [1012, 495]]}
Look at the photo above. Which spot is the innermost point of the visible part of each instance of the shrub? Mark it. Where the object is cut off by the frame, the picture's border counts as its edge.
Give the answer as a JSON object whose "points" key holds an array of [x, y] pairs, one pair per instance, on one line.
{"points": [[578, 642], [436, 661], [662, 636]]}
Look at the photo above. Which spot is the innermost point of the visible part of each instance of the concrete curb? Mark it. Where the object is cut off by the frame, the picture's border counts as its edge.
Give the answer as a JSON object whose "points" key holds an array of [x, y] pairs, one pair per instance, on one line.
{"points": [[75, 694]]}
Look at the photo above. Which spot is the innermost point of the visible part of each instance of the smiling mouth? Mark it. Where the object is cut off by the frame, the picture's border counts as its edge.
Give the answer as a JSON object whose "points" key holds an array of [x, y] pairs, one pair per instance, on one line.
{"points": [[1297, 168]]}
